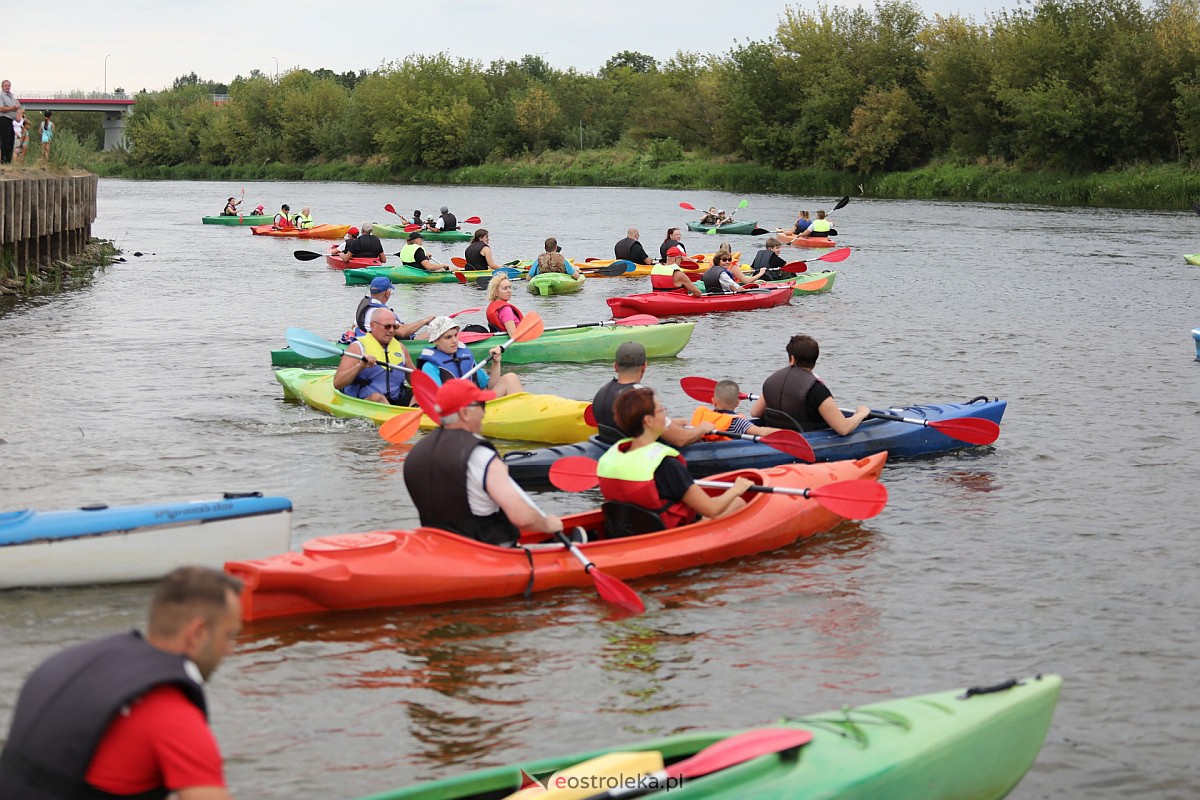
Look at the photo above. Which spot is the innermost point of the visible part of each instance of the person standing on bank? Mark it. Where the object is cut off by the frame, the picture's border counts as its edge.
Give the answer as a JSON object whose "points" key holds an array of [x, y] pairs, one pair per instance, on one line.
{"points": [[630, 249], [125, 714], [47, 131], [801, 396], [9, 106]]}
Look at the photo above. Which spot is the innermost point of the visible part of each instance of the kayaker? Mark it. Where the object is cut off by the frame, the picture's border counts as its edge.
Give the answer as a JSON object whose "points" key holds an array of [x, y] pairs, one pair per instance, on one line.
{"points": [[283, 219], [258, 211], [710, 217], [365, 245], [552, 260], [231, 207], [769, 261], [723, 277], [350, 236], [445, 359], [413, 255], [502, 315], [820, 227], [644, 472], [674, 239], [447, 221], [630, 249], [380, 293], [416, 219], [479, 251], [723, 413], [125, 715], [803, 223], [365, 379], [670, 276], [804, 400], [630, 366], [303, 220], [458, 482]]}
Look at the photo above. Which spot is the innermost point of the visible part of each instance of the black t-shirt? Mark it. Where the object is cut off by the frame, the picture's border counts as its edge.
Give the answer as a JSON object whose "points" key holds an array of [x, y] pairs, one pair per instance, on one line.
{"points": [[366, 245], [602, 407], [631, 250], [419, 258], [672, 480], [766, 259]]}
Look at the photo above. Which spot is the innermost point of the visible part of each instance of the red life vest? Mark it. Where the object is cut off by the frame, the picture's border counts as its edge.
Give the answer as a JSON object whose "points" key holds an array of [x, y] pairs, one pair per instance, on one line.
{"points": [[628, 477], [493, 313]]}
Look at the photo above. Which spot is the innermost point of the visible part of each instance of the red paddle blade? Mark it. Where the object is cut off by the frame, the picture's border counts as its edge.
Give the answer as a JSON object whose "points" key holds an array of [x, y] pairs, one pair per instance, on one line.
{"points": [[424, 391], [795, 266], [700, 389], [739, 749], [391, 209], [639, 319], [614, 591], [975, 430], [529, 328], [589, 416], [401, 427], [574, 474], [458, 276], [834, 256], [464, 311], [792, 443], [856, 499], [458, 262], [472, 220], [690, 207], [409, 228]]}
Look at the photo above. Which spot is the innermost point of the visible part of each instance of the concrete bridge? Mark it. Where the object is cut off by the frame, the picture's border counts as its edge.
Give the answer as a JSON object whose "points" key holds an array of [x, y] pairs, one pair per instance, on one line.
{"points": [[113, 106]]}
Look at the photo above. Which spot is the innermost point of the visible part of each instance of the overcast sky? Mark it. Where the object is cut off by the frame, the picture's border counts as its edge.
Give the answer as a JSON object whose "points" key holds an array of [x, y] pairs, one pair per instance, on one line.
{"points": [[60, 45]]}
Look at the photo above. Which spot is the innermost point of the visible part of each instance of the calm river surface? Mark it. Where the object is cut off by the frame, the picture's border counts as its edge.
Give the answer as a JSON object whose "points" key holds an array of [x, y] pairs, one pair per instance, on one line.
{"points": [[1070, 546]]}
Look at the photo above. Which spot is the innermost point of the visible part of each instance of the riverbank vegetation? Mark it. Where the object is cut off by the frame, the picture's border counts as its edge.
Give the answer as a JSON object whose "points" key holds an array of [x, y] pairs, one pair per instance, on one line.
{"points": [[1062, 101], [59, 275]]}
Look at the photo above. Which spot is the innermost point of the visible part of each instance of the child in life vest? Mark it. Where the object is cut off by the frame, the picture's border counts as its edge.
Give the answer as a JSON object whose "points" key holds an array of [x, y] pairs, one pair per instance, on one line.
{"points": [[723, 414]]}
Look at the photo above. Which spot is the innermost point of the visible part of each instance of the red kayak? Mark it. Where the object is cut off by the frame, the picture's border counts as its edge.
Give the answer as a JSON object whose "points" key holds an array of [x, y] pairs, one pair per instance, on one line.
{"points": [[677, 303], [336, 262], [813, 241], [385, 569]]}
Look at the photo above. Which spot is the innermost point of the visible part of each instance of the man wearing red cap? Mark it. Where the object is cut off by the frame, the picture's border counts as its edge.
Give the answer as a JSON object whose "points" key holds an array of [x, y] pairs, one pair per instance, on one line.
{"points": [[670, 276], [459, 483]]}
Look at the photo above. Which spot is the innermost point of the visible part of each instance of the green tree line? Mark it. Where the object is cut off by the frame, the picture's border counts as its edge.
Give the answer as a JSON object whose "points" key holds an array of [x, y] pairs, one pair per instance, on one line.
{"points": [[1077, 85]]}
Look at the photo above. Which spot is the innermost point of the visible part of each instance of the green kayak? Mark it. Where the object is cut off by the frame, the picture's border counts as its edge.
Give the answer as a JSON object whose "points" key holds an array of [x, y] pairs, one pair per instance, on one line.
{"points": [[1193, 259], [403, 274], [940, 746], [806, 283], [245, 220], [573, 345], [397, 232], [550, 283], [734, 228]]}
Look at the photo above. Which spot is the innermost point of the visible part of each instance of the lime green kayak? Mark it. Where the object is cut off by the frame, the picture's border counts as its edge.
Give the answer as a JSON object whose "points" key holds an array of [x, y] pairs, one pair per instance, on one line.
{"points": [[806, 283], [940, 746], [550, 283], [249, 219], [397, 232], [522, 417], [573, 345], [403, 274], [1193, 259]]}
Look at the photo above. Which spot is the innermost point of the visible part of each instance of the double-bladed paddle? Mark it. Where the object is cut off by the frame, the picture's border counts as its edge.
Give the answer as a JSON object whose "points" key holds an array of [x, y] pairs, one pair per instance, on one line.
{"points": [[467, 337], [728, 752], [740, 206], [610, 589], [506, 271], [392, 210], [529, 328], [308, 255], [311, 345], [853, 499], [789, 442], [973, 430], [413, 227], [610, 270], [832, 257], [401, 427]]}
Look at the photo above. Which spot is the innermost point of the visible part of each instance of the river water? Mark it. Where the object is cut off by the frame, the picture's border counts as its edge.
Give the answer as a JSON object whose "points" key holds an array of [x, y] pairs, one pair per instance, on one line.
{"points": [[1069, 546]]}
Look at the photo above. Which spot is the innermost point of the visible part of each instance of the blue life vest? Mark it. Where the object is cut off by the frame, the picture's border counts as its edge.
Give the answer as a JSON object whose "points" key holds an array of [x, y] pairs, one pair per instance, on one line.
{"points": [[387, 382], [451, 365]]}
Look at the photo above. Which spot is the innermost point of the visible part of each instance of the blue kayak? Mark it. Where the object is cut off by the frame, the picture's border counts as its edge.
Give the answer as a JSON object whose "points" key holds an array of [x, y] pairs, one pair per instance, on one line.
{"points": [[899, 439], [99, 544]]}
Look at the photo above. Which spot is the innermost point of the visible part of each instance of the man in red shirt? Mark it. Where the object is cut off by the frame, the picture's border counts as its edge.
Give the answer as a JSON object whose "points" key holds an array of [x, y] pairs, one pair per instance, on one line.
{"points": [[126, 714]]}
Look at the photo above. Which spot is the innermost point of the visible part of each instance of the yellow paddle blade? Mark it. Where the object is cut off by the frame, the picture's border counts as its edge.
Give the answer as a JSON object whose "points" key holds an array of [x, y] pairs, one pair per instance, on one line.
{"points": [[594, 776]]}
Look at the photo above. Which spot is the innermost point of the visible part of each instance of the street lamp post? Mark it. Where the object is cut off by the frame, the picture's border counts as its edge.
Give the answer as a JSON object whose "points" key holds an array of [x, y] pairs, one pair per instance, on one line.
{"points": [[276, 67], [106, 58]]}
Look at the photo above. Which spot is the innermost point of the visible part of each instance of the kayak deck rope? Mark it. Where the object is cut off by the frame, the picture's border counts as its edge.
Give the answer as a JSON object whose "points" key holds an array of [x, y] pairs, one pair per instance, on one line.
{"points": [[850, 726], [529, 586]]}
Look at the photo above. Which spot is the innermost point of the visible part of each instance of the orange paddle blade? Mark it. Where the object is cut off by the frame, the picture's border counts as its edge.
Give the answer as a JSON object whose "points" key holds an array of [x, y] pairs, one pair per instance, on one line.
{"points": [[401, 427]]}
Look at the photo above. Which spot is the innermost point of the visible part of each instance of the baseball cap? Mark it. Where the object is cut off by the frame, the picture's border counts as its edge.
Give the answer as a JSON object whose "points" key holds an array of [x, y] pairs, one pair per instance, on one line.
{"points": [[367, 227], [631, 354], [353, 231], [412, 237], [456, 394], [440, 326], [381, 284], [675, 251]]}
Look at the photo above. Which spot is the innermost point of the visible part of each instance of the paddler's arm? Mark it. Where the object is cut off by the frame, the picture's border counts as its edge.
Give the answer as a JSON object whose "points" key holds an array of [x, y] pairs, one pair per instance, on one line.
{"points": [[515, 504], [407, 331], [678, 436], [349, 367]]}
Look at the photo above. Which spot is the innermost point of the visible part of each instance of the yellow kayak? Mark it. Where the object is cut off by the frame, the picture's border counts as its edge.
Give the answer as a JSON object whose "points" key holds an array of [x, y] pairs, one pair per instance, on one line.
{"points": [[521, 417], [642, 270]]}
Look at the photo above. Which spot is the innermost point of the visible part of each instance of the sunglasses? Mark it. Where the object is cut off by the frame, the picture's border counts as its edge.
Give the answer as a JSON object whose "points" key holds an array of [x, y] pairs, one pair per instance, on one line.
{"points": [[388, 327]]}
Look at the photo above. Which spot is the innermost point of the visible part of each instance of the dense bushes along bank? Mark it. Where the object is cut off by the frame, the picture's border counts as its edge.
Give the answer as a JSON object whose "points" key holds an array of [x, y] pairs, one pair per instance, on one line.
{"points": [[1161, 187]]}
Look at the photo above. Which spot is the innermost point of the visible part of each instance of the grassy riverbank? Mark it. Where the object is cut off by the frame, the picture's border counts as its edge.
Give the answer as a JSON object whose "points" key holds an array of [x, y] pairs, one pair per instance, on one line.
{"points": [[1145, 187], [80, 270]]}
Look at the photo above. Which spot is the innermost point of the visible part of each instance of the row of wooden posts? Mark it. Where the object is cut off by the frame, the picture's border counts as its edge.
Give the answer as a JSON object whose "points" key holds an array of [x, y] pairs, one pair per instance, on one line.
{"points": [[44, 219]]}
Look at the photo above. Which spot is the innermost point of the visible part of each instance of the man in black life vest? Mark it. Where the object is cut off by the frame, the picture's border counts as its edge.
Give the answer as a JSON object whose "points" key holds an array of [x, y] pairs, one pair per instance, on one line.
{"points": [[125, 715], [630, 366], [459, 483], [804, 400]]}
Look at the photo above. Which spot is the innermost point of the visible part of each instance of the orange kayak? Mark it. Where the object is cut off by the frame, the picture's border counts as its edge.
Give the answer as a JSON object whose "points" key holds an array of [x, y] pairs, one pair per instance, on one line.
{"points": [[805, 241], [335, 262], [384, 569], [315, 232]]}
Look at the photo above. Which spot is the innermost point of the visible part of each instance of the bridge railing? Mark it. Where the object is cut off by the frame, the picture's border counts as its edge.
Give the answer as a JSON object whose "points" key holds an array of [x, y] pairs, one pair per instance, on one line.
{"points": [[72, 95]]}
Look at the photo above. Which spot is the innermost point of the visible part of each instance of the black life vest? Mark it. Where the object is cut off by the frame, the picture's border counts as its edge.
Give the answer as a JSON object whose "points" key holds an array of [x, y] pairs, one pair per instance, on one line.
{"points": [[787, 390], [449, 221], [602, 408], [623, 248], [474, 255]]}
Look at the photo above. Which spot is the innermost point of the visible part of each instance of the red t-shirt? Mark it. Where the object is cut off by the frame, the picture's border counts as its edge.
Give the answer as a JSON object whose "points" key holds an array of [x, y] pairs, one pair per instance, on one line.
{"points": [[163, 740]]}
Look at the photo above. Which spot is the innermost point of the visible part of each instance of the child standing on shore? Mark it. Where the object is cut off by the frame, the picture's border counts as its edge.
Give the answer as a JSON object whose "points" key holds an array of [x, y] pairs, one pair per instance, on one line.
{"points": [[47, 129]]}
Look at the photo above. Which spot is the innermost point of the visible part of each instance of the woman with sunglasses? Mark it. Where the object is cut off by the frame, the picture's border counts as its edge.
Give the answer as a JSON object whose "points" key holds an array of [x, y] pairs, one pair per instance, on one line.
{"points": [[723, 277]]}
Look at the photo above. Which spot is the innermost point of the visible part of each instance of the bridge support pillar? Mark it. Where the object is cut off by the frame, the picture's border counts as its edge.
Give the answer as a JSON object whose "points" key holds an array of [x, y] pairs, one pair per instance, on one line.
{"points": [[114, 130]]}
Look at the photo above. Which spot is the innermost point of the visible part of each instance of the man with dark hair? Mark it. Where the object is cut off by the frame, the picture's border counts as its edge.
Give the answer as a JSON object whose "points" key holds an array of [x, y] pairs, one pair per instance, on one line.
{"points": [[630, 366], [796, 399], [125, 714]]}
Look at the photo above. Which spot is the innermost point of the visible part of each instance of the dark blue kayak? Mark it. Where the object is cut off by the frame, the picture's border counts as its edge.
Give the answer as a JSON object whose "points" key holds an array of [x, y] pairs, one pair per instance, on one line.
{"points": [[899, 439]]}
